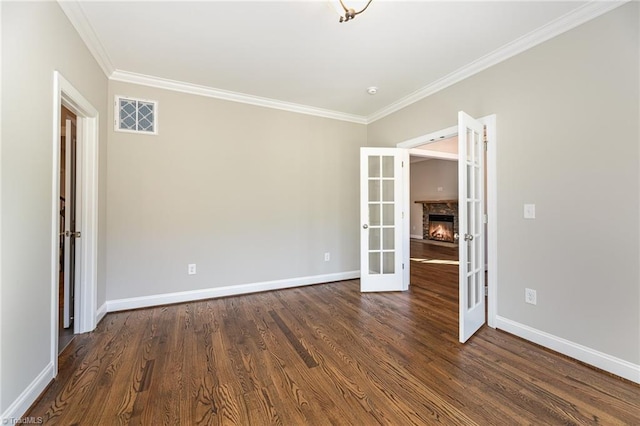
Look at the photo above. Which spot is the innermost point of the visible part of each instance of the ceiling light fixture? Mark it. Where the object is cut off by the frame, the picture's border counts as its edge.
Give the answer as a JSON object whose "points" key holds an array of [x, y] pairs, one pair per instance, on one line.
{"points": [[348, 13], [372, 90]]}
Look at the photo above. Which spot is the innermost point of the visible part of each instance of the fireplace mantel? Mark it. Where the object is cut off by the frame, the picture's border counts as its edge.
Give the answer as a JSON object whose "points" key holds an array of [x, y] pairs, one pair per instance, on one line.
{"points": [[449, 203]]}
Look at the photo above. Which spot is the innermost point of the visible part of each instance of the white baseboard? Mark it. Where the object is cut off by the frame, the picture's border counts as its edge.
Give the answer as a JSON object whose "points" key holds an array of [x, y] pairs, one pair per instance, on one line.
{"points": [[20, 406], [210, 293], [102, 311], [417, 236], [598, 359]]}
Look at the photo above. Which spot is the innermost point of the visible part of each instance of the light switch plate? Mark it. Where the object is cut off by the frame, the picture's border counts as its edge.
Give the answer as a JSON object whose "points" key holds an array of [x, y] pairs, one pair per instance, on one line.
{"points": [[529, 211]]}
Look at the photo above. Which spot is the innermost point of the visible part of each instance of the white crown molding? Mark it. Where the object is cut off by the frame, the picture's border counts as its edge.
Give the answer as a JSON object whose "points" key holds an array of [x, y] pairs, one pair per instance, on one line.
{"points": [[79, 20], [585, 13], [579, 16], [194, 89]]}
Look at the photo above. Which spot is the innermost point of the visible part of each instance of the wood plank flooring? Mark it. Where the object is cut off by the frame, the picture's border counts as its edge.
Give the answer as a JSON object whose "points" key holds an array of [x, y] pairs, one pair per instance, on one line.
{"points": [[325, 355]]}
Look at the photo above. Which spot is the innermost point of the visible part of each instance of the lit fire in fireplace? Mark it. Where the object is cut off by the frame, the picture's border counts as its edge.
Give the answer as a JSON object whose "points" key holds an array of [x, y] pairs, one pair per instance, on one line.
{"points": [[441, 232], [441, 228]]}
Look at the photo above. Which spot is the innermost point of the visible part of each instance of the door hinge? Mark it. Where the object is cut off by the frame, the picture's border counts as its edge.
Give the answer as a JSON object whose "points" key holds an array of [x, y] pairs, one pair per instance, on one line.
{"points": [[402, 162], [485, 146], [485, 218], [403, 215], [403, 266]]}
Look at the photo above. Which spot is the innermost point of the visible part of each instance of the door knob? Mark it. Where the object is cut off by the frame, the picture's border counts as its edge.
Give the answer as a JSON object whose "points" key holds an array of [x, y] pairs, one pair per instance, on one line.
{"points": [[468, 237], [456, 236], [76, 234], [365, 226]]}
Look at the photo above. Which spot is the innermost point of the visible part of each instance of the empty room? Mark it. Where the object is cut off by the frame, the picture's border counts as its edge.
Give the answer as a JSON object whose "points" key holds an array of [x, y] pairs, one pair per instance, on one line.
{"points": [[320, 212]]}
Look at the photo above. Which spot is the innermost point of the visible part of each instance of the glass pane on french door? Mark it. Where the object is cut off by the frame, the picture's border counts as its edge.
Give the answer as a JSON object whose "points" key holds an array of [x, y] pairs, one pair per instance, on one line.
{"points": [[381, 184]]}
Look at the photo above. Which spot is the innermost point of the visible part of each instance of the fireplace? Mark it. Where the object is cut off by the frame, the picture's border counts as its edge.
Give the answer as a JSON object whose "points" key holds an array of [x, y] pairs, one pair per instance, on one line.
{"points": [[439, 219], [441, 227]]}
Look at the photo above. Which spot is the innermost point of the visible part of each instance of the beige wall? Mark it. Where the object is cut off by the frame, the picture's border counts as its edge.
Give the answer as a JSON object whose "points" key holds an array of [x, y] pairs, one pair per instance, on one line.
{"points": [[426, 177], [251, 194], [568, 131], [37, 39], [248, 194]]}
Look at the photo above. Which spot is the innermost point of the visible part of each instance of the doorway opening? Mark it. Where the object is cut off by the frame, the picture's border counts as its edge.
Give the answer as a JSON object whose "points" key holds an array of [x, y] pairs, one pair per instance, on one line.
{"points": [[67, 229], [433, 147], [85, 312], [385, 199]]}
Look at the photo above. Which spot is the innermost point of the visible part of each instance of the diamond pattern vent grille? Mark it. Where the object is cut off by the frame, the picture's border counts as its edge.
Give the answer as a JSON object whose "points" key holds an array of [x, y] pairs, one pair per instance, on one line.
{"points": [[135, 115]]}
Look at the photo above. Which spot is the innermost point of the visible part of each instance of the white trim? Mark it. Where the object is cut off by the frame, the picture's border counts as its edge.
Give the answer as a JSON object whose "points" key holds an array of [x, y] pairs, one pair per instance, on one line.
{"points": [[89, 275], [85, 318], [77, 17], [406, 220], [194, 89], [416, 236], [491, 258], [55, 221], [598, 359], [21, 404], [101, 312], [579, 16], [429, 138], [585, 13], [447, 156], [233, 290], [1, 286]]}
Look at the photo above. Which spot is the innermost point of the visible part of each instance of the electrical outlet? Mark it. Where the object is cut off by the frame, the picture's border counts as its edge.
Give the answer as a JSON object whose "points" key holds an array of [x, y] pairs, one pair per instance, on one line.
{"points": [[530, 296], [327, 257], [191, 269]]}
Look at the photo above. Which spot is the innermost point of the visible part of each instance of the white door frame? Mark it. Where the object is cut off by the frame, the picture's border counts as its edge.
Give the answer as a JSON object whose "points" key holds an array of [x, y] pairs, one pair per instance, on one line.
{"points": [[491, 198], [86, 283]]}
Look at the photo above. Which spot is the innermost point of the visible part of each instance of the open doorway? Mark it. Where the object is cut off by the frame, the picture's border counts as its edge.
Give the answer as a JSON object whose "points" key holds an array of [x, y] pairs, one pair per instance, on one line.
{"points": [[83, 308], [68, 227], [433, 211], [385, 228], [433, 147]]}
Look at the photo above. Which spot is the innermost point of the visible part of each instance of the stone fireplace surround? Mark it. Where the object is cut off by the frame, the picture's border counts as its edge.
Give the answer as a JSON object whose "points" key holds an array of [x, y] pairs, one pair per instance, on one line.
{"points": [[448, 207]]}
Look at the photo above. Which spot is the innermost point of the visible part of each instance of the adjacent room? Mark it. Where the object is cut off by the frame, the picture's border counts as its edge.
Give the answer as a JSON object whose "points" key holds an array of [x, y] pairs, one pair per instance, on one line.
{"points": [[319, 212]]}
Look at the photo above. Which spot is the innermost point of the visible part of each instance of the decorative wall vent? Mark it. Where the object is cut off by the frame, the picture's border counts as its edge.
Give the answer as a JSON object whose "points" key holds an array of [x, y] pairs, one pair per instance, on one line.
{"points": [[136, 115]]}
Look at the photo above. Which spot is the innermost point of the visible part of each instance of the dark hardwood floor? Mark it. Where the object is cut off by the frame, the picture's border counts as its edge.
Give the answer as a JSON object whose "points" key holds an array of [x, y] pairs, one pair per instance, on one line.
{"points": [[321, 355]]}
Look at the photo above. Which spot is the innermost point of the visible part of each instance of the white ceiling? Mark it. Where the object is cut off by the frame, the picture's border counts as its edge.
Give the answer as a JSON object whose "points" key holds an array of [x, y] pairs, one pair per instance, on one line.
{"points": [[297, 52]]}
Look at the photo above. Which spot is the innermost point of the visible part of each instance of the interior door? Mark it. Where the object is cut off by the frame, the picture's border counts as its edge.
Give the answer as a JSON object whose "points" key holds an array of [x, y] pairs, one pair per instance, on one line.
{"points": [[471, 224], [71, 224], [381, 219]]}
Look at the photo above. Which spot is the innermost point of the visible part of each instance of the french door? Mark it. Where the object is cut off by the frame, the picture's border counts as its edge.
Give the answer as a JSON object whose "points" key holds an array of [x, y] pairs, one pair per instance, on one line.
{"points": [[470, 225], [383, 249], [384, 233]]}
